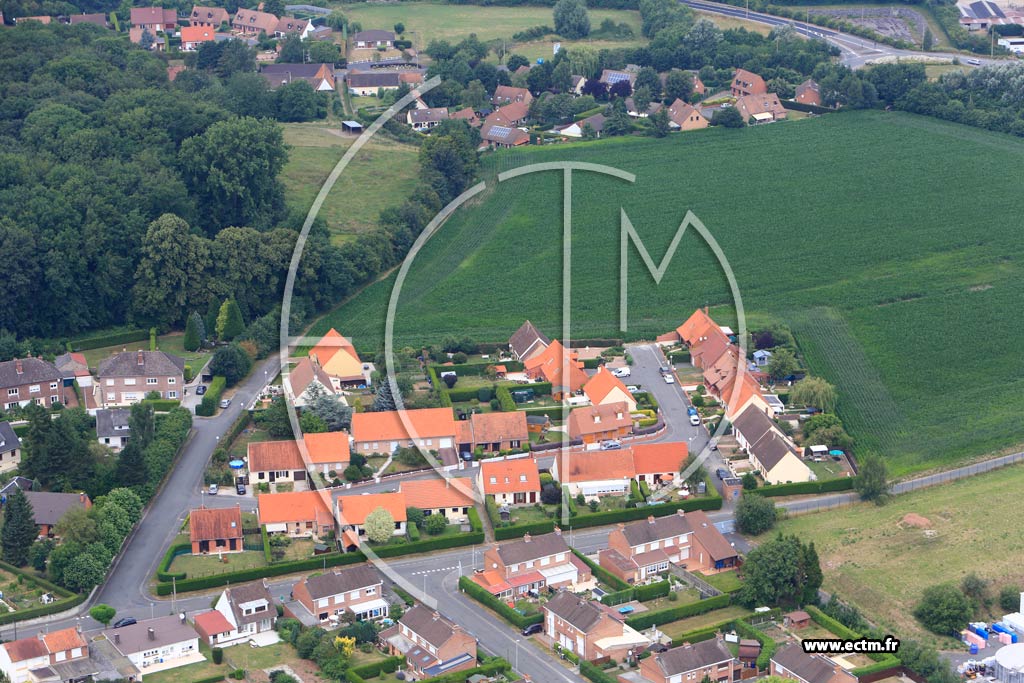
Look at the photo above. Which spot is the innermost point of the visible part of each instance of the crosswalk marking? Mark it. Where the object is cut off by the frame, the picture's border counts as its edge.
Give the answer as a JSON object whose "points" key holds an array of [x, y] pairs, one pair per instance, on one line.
{"points": [[433, 571]]}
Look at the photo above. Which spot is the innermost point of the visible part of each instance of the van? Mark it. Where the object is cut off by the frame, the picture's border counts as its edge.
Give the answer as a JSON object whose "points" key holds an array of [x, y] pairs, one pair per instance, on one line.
{"points": [[622, 372]]}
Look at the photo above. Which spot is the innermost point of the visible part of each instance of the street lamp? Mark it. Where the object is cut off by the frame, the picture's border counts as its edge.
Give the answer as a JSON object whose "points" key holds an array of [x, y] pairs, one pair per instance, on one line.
{"points": [[517, 654]]}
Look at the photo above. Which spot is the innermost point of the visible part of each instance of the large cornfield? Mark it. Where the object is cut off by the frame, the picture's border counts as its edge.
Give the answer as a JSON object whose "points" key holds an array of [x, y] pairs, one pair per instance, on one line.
{"points": [[890, 244]]}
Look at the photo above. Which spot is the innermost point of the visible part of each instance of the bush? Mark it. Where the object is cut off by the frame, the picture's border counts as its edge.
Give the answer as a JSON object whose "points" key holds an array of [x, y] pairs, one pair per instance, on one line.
{"points": [[218, 655], [804, 487], [231, 362], [211, 399], [435, 525], [603, 574], [162, 573], [1009, 598]]}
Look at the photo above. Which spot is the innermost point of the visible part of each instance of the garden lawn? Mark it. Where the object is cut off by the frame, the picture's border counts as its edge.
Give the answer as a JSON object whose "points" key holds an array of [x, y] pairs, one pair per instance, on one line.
{"points": [[381, 175], [703, 620], [187, 674], [172, 343], [723, 581], [869, 558], [885, 275], [207, 565]]}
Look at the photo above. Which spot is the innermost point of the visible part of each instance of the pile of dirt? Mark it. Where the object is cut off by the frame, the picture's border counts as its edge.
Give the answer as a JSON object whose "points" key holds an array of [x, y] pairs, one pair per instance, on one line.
{"points": [[912, 519]]}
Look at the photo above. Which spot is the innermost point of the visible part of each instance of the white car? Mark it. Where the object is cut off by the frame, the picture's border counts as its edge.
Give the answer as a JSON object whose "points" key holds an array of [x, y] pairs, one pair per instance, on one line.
{"points": [[622, 372], [633, 388], [695, 420], [214, 489], [669, 379]]}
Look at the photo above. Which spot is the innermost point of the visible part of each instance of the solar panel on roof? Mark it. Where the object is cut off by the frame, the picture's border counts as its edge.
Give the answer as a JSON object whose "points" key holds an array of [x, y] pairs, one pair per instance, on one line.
{"points": [[500, 131], [614, 78]]}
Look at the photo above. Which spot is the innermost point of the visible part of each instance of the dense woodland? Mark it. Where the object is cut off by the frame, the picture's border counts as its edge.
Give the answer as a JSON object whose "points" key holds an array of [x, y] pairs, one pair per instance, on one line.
{"points": [[129, 199]]}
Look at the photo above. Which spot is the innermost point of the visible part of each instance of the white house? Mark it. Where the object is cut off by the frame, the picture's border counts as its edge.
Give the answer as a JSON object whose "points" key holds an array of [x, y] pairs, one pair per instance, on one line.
{"points": [[762, 357], [63, 654], [157, 644], [10, 448], [241, 614], [112, 428]]}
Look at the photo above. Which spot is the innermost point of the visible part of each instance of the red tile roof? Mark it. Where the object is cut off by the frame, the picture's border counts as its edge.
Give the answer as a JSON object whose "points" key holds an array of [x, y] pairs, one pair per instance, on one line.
{"points": [[597, 419], [327, 447], [64, 640], [518, 475], [355, 509], [602, 384], [656, 458], [26, 648], [207, 524], [431, 494], [426, 423], [273, 456], [330, 344], [294, 506], [212, 623]]}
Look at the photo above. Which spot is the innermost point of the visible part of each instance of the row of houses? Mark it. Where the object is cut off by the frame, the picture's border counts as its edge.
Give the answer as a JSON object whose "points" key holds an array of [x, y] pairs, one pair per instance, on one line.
{"points": [[750, 409]]}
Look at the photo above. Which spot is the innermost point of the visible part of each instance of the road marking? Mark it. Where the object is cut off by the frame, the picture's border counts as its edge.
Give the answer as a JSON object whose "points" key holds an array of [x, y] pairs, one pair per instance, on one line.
{"points": [[433, 571]]}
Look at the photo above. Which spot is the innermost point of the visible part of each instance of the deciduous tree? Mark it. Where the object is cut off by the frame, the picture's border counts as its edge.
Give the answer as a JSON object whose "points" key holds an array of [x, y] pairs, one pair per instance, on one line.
{"points": [[755, 514], [571, 19], [943, 609], [379, 525]]}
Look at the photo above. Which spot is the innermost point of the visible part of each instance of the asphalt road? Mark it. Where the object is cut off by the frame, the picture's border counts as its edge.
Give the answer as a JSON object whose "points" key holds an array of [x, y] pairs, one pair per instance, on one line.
{"points": [[856, 52]]}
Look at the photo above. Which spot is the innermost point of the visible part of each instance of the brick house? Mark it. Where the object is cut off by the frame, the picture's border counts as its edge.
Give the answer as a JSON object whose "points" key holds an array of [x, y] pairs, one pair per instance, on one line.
{"points": [[48, 508], [64, 653], [684, 116], [527, 341], [604, 388], [507, 94], [747, 83], [515, 568], [439, 496], [274, 461], [431, 644], [708, 659], [127, 377], [154, 19], [493, 432], [352, 511], [210, 17], [558, 366], [358, 590], [808, 92], [30, 380], [512, 481], [290, 25], [385, 432], [641, 550], [327, 452], [373, 38], [296, 513], [584, 628], [215, 530], [793, 663], [253, 22], [10, 448], [762, 108], [594, 424]]}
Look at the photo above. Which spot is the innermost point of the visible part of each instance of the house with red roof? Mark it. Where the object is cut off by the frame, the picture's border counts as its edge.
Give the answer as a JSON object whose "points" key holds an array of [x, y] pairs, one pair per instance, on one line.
{"points": [[275, 461], [338, 357], [747, 83], [560, 367], [493, 432], [327, 452], [605, 388], [602, 473], [241, 614], [296, 513], [194, 36], [352, 511], [597, 423], [512, 481], [154, 19], [535, 562], [385, 432], [358, 590], [215, 530], [451, 498], [63, 654]]}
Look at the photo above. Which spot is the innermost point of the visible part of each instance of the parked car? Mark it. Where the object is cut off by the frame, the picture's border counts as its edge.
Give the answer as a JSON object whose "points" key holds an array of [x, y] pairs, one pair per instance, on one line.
{"points": [[127, 621], [225, 403], [200, 390], [633, 388], [669, 379], [240, 489], [214, 489], [665, 370], [690, 410], [611, 445], [532, 629], [695, 420], [622, 372], [721, 473]]}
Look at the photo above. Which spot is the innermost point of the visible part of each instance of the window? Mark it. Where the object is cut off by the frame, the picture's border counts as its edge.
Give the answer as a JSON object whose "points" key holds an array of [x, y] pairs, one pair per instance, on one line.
{"points": [[170, 380], [372, 590], [11, 406], [152, 380], [110, 382], [111, 396], [53, 399], [12, 392], [514, 444], [522, 477], [33, 389], [172, 394], [53, 385], [494, 480], [129, 381]]}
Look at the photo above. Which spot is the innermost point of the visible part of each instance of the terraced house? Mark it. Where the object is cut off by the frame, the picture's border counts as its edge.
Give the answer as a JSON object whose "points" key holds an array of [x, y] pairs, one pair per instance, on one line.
{"points": [[531, 564], [358, 590], [707, 660], [61, 655], [128, 377], [386, 432], [588, 630], [431, 644], [30, 380]]}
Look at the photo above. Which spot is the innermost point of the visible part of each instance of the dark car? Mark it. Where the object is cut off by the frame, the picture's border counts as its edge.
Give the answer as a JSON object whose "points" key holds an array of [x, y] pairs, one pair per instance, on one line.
{"points": [[200, 390], [127, 621], [532, 629], [658, 648], [722, 474], [240, 489], [691, 410]]}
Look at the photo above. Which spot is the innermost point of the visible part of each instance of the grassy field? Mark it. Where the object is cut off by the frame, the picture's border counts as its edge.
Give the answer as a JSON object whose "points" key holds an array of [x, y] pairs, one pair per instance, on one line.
{"points": [[675, 628], [897, 288], [381, 175], [941, 42], [208, 565], [882, 566]]}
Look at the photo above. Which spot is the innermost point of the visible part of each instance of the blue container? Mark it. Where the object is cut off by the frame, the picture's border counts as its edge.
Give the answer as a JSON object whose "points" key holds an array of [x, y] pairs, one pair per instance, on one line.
{"points": [[999, 628], [977, 630], [974, 649]]}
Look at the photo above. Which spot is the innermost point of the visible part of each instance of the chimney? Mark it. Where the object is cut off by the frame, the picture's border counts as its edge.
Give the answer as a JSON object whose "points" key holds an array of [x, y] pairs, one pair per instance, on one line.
{"points": [[557, 531], [650, 519], [117, 637], [81, 498], [526, 537], [18, 367], [152, 633], [140, 358], [436, 616]]}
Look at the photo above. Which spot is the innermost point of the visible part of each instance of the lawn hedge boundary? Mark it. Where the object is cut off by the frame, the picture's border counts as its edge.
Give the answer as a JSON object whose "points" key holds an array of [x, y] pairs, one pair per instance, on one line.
{"points": [[643, 593], [161, 405], [477, 369], [210, 679], [595, 674], [664, 616], [480, 594], [805, 487], [359, 674], [67, 601], [882, 660], [487, 670], [99, 341], [211, 399], [767, 644], [163, 573], [601, 573]]}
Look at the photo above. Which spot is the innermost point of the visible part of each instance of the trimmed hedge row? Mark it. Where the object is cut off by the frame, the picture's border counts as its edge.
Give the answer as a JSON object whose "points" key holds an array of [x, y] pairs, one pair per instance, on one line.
{"points": [[162, 570], [595, 674], [265, 537], [211, 399], [643, 593], [697, 635], [486, 670], [440, 543], [767, 644], [804, 487], [603, 574], [210, 679], [474, 520], [890, 662], [161, 405], [505, 533], [480, 594], [358, 674], [554, 412], [664, 616], [461, 394], [477, 369], [99, 341], [505, 401], [67, 601], [882, 660], [241, 423]]}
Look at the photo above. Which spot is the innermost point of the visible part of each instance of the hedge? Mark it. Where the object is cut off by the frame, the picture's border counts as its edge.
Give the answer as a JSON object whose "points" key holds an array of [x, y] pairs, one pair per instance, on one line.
{"points": [[487, 671], [805, 487], [67, 601], [641, 593], [211, 399], [477, 369], [161, 405], [889, 662], [505, 533], [254, 573], [595, 674], [460, 395], [617, 597], [634, 492], [664, 616], [162, 573], [480, 594], [767, 644], [554, 412], [505, 401], [99, 341], [426, 545], [697, 635], [474, 520], [842, 631], [358, 674], [603, 574], [265, 537], [241, 423], [591, 363], [406, 598]]}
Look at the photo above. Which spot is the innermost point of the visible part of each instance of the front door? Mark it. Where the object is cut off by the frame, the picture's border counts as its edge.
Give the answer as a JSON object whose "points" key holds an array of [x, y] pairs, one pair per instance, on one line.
{"points": [[273, 477]]}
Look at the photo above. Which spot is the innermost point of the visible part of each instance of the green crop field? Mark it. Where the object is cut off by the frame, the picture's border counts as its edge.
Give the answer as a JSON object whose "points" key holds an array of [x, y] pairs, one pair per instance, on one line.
{"points": [[895, 256], [382, 174]]}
